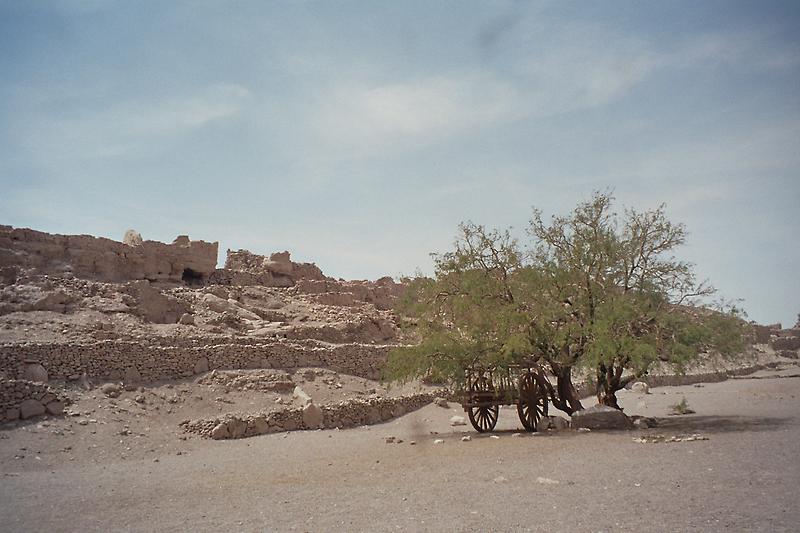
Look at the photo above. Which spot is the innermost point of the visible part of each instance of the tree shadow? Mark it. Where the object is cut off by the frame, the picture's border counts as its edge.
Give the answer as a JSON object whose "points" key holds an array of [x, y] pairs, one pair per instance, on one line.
{"points": [[719, 424]]}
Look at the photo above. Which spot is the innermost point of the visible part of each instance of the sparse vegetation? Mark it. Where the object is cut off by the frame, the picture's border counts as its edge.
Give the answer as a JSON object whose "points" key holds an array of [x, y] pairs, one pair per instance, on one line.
{"points": [[681, 408]]}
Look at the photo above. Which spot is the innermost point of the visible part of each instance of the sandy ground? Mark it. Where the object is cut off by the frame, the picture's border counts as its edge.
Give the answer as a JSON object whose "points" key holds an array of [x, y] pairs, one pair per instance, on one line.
{"points": [[745, 477]]}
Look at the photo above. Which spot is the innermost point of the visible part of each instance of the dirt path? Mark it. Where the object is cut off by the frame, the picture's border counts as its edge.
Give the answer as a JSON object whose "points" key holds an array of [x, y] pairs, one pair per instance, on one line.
{"points": [[745, 477]]}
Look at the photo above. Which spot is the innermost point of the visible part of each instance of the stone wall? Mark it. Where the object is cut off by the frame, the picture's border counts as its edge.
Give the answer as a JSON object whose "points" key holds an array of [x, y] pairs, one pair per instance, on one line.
{"points": [[103, 259], [352, 413], [381, 293], [141, 361], [25, 399]]}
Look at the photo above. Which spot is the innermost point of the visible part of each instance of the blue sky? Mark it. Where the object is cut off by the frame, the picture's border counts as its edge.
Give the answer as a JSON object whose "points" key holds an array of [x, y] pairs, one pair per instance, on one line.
{"points": [[359, 134]]}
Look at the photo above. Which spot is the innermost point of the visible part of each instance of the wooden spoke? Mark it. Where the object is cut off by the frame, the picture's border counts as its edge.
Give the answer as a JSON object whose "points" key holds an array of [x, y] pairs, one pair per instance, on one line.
{"points": [[483, 418], [532, 403]]}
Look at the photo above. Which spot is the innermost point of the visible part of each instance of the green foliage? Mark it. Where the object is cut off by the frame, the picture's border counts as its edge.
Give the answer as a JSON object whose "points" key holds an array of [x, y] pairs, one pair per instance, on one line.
{"points": [[593, 289]]}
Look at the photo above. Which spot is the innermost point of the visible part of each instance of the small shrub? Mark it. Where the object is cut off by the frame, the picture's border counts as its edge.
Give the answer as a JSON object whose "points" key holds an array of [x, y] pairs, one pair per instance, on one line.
{"points": [[681, 408]]}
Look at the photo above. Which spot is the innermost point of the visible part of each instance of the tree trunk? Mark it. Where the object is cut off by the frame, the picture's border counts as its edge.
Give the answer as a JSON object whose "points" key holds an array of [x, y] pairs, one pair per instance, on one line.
{"points": [[566, 396], [609, 381]]}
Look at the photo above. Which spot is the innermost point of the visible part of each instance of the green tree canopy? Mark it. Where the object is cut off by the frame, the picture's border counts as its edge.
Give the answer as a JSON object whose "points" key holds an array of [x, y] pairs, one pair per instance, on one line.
{"points": [[593, 289]]}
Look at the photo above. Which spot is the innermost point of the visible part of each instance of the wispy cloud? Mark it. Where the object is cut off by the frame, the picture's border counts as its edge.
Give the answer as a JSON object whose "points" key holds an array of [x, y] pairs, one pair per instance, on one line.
{"points": [[126, 126]]}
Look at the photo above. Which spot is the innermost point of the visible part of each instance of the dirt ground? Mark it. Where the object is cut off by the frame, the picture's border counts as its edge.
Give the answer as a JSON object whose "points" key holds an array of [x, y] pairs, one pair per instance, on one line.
{"points": [[60, 475]]}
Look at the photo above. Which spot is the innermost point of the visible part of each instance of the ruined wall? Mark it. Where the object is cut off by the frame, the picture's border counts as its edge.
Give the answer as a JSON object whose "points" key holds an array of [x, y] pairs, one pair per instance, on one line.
{"points": [[146, 362], [26, 399], [279, 267], [352, 413], [104, 259], [381, 293]]}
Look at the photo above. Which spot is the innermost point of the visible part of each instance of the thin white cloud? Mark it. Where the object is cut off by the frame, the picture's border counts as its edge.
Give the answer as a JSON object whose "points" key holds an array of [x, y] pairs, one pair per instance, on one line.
{"points": [[127, 126]]}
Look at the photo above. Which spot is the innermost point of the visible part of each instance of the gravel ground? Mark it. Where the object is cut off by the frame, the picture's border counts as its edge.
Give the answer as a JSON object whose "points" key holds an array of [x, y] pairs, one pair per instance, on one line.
{"points": [[745, 477]]}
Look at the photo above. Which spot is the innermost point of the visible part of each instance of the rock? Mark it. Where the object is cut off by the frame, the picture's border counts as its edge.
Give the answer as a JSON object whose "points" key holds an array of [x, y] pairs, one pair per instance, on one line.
{"points": [[35, 372], [12, 414], [131, 376], [186, 319], [558, 423], [389, 440], [785, 343], [438, 441], [55, 407], [457, 421], [312, 416], [301, 395], [112, 390], [641, 387], [642, 422], [201, 366], [546, 481], [500, 479], [466, 438], [543, 424], [220, 431], [261, 425], [236, 427], [600, 417], [30, 408], [441, 402], [132, 238]]}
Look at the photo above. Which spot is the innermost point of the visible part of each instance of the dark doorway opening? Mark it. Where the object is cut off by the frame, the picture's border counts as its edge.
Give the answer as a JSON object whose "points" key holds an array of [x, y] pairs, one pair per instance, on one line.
{"points": [[190, 277]]}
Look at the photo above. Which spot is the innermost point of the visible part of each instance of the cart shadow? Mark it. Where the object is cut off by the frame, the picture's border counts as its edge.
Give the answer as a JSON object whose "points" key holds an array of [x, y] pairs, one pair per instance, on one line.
{"points": [[720, 424]]}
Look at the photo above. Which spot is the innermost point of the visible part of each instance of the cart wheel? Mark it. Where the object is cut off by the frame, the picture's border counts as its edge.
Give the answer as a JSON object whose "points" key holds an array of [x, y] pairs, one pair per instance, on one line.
{"points": [[532, 405], [483, 417]]}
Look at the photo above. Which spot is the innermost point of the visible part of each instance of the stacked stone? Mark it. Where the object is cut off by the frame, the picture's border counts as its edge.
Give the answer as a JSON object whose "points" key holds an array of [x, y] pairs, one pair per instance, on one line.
{"points": [[264, 381], [345, 414], [112, 359], [25, 399], [381, 293], [786, 342]]}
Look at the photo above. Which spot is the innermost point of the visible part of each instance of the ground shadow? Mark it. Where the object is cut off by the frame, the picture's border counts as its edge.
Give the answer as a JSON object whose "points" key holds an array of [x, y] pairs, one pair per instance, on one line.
{"points": [[719, 424]]}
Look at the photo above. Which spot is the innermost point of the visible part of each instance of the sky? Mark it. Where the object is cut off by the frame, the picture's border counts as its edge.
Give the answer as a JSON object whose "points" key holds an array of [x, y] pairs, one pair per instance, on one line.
{"points": [[358, 135]]}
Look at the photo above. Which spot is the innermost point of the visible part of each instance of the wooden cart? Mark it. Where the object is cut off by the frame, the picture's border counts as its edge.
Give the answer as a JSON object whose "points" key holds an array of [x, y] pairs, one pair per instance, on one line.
{"points": [[487, 389]]}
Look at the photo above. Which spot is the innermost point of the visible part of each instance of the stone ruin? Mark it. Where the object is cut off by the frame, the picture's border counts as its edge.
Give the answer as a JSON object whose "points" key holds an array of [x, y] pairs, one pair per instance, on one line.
{"points": [[139, 311]]}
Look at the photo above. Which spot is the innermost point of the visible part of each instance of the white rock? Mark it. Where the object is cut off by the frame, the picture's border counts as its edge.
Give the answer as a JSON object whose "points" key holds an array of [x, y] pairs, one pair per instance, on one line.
{"points": [[438, 441], [132, 238], [466, 438], [301, 395], [457, 421], [546, 481], [641, 387]]}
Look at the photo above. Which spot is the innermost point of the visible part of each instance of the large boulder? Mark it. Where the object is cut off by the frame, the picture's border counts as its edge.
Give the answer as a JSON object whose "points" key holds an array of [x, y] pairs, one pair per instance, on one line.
{"points": [[600, 417], [312, 416], [30, 408], [34, 372]]}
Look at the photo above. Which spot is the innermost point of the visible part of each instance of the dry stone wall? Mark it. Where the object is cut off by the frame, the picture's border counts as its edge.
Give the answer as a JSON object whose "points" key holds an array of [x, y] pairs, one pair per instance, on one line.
{"points": [[351, 413], [145, 362], [26, 399]]}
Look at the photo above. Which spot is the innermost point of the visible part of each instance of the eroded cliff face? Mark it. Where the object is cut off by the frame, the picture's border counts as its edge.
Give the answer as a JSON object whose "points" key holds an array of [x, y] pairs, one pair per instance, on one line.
{"points": [[101, 259]]}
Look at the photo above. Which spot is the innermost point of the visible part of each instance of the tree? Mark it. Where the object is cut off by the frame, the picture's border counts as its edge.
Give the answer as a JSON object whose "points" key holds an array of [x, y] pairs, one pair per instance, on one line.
{"points": [[594, 290]]}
